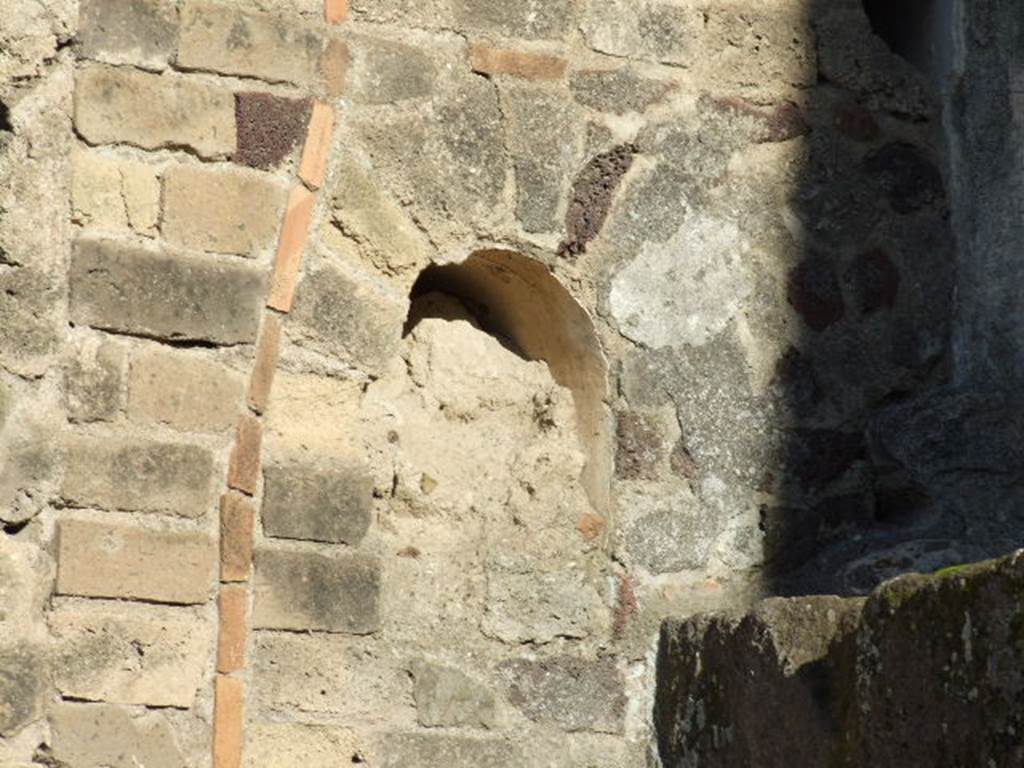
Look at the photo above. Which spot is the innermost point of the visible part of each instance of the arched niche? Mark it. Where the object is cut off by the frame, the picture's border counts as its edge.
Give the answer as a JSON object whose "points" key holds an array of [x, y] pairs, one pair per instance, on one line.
{"points": [[518, 300]]}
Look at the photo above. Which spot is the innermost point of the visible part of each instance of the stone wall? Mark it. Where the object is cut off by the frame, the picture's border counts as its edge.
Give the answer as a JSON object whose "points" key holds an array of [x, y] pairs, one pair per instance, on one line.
{"points": [[925, 671], [375, 378]]}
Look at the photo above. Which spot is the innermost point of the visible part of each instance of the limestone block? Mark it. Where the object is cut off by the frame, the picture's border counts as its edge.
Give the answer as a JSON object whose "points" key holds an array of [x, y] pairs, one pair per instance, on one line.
{"points": [[385, 72], [184, 391], [94, 379], [665, 530], [573, 693], [129, 654], [28, 320], [128, 288], [617, 90], [222, 210], [527, 603], [107, 736], [137, 562], [23, 685], [358, 680], [396, 750], [272, 47], [117, 105], [308, 590], [358, 321], [112, 193], [447, 697], [532, 19], [649, 29], [329, 503], [311, 746], [141, 32], [138, 475]]}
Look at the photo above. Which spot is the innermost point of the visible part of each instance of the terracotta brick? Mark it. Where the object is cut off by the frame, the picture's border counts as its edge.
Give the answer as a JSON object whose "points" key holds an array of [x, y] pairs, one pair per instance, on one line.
{"points": [[229, 695], [232, 605], [244, 465], [504, 61], [336, 11], [290, 248], [318, 145], [335, 67], [237, 517], [267, 352]]}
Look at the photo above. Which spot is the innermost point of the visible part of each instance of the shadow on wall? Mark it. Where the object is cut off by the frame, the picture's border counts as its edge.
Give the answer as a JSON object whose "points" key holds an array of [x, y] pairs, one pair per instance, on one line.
{"points": [[870, 437]]}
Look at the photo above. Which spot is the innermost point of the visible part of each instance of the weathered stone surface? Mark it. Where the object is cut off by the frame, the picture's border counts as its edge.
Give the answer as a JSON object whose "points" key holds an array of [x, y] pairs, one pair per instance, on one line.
{"points": [[617, 90], [666, 532], [94, 381], [552, 19], [845, 674], [527, 604], [540, 125], [649, 29], [330, 503], [184, 391], [358, 321], [452, 168], [703, 293], [640, 445], [234, 42], [364, 681], [267, 127], [23, 685], [28, 321], [28, 460], [385, 72], [106, 736], [113, 193], [169, 567], [530, 65], [308, 590], [384, 232], [396, 750], [573, 693], [138, 475], [129, 654], [222, 210], [130, 289], [142, 32], [592, 194], [312, 746], [153, 112], [447, 697]]}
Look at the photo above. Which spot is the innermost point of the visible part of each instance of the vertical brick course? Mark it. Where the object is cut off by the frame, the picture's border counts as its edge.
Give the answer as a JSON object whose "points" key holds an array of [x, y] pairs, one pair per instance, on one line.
{"points": [[335, 11], [228, 706], [289, 250], [244, 464], [267, 352], [232, 604], [318, 146], [237, 517]]}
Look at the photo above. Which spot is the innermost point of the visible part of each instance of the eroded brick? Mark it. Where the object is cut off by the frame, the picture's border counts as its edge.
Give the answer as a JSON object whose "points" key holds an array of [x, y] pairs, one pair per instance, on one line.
{"points": [[137, 475], [237, 520], [506, 61], [313, 166], [268, 350], [118, 105], [222, 210], [308, 590], [317, 503], [184, 391], [290, 248], [244, 462], [137, 562], [232, 608], [127, 288], [228, 719]]}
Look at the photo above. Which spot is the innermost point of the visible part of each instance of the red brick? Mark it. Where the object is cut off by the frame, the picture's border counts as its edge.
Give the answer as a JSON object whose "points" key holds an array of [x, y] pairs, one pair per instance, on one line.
{"points": [[335, 67], [335, 11], [504, 61], [232, 604], [228, 707], [313, 166], [244, 464], [267, 352], [290, 249], [236, 526]]}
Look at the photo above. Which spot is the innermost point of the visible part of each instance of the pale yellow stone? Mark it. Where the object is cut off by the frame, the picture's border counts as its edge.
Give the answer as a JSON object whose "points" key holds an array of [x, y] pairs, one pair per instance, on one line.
{"points": [[140, 186], [311, 746], [96, 191]]}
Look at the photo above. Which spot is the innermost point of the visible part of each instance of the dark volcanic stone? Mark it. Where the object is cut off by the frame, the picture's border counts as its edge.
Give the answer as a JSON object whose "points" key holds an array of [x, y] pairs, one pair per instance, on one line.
{"points": [[267, 127], [592, 197]]}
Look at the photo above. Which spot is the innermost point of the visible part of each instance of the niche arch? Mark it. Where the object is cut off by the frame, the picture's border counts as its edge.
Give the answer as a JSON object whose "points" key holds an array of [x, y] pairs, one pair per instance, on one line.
{"points": [[519, 300]]}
